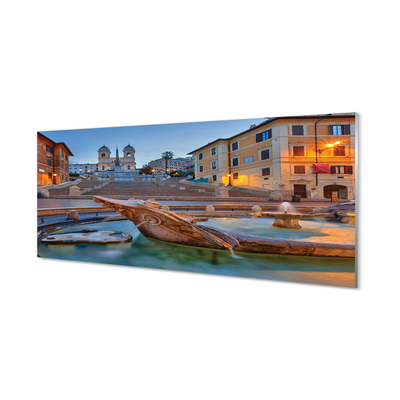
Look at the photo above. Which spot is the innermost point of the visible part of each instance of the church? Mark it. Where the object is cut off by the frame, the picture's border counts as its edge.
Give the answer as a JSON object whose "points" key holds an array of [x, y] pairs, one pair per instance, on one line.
{"points": [[125, 163]]}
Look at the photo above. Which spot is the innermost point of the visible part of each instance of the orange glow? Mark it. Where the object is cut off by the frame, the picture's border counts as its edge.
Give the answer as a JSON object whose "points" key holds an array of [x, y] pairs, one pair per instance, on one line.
{"points": [[329, 145], [336, 143]]}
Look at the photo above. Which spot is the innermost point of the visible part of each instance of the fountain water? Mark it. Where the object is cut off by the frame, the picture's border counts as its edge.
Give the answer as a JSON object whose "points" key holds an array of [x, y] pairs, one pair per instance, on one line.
{"points": [[289, 220]]}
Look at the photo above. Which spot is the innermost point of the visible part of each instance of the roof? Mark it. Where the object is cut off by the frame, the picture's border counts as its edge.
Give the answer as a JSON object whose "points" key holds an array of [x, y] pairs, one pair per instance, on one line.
{"points": [[128, 147], [104, 148], [206, 145], [52, 141], [271, 120]]}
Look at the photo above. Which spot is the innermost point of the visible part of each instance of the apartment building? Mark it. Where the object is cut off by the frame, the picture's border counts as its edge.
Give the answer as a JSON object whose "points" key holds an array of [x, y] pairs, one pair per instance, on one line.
{"points": [[52, 161], [179, 163], [311, 155]]}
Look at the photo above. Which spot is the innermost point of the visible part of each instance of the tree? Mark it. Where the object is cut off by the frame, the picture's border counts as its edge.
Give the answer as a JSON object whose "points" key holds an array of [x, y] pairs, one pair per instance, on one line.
{"points": [[177, 173], [146, 169], [167, 155]]}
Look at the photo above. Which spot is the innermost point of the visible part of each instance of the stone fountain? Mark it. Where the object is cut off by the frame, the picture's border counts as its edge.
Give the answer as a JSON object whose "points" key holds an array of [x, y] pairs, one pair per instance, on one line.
{"points": [[289, 220], [157, 223]]}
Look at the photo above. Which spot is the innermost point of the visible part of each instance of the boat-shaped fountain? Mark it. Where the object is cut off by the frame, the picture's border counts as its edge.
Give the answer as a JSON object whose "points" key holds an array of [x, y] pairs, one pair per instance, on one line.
{"points": [[157, 223]]}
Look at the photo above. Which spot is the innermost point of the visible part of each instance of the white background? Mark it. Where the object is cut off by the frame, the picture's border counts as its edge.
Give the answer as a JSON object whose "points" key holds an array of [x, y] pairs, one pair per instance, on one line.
{"points": [[88, 331]]}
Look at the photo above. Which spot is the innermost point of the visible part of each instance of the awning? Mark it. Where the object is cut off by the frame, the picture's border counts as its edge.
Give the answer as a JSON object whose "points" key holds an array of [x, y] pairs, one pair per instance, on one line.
{"points": [[321, 168]]}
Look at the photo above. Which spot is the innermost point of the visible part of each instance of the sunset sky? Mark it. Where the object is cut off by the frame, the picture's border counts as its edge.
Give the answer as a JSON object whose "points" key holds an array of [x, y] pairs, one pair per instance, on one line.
{"points": [[149, 141]]}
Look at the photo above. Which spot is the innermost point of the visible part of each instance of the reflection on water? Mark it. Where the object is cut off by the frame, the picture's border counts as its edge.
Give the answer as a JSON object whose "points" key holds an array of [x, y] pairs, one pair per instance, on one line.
{"points": [[149, 253]]}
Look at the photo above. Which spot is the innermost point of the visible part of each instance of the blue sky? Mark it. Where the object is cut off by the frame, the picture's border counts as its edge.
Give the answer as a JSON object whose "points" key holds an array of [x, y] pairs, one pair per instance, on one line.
{"points": [[149, 141]]}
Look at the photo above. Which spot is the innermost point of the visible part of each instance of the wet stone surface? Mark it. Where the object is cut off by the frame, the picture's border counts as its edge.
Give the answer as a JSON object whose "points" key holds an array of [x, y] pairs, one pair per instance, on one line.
{"points": [[87, 236]]}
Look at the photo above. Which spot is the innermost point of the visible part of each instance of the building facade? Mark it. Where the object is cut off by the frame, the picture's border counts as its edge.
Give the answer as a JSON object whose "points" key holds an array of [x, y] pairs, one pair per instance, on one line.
{"points": [[175, 164], [52, 161], [107, 163], [82, 168], [311, 155]]}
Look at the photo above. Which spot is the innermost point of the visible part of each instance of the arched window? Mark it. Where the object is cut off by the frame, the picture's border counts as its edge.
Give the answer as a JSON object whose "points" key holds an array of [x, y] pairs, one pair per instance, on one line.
{"points": [[49, 162], [129, 167], [129, 154], [103, 167], [103, 155]]}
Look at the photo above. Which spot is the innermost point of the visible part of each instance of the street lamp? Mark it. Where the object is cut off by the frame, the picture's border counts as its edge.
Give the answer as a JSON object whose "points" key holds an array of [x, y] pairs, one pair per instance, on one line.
{"points": [[319, 152], [328, 146], [229, 175], [55, 179]]}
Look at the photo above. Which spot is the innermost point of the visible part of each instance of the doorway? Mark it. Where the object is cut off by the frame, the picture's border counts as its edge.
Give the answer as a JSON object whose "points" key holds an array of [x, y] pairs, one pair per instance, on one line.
{"points": [[300, 190], [342, 191]]}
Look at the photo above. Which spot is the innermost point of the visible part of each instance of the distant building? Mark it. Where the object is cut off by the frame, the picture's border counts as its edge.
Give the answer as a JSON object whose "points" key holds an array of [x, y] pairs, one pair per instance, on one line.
{"points": [[82, 168], [175, 164], [52, 161], [125, 163], [312, 156]]}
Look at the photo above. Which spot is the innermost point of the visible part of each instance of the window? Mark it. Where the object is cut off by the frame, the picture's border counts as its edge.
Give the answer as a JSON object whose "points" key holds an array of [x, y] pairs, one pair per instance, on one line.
{"points": [[49, 149], [62, 165], [339, 129], [62, 153], [129, 167], [235, 162], [300, 169], [214, 165], [128, 154], [201, 168], [214, 178], [341, 169], [236, 175], [213, 151], [103, 168], [103, 155], [260, 137], [62, 177], [49, 162], [265, 154], [339, 151], [235, 146], [297, 130], [200, 156], [248, 160], [50, 175], [266, 171], [298, 151]]}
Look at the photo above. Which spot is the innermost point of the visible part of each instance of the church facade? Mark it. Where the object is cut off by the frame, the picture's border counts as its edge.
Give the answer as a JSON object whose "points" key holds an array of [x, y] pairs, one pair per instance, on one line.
{"points": [[125, 162]]}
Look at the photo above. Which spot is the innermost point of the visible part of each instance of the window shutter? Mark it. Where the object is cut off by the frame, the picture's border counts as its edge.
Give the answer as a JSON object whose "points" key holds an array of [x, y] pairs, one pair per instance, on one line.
{"points": [[333, 169], [331, 129], [259, 137], [349, 169], [346, 129], [269, 133]]}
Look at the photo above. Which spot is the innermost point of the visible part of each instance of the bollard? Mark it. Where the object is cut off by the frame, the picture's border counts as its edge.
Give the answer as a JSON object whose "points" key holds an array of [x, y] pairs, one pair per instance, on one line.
{"points": [[256, 210], [73, 214]]}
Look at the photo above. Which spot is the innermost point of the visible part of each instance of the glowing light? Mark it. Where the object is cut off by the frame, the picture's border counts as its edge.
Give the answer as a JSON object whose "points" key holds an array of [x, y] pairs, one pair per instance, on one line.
{"points": [[336, 143], [329, 145]]}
